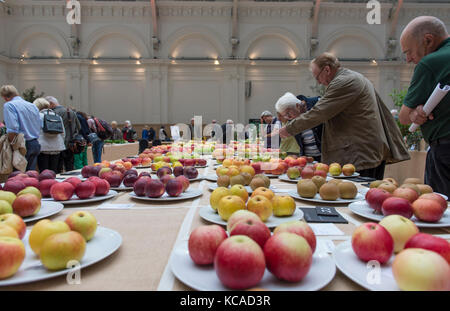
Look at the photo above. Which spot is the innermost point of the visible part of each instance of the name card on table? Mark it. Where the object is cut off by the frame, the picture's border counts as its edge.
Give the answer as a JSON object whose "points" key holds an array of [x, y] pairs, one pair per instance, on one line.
{"points": [[115, 206], [325, 229]]}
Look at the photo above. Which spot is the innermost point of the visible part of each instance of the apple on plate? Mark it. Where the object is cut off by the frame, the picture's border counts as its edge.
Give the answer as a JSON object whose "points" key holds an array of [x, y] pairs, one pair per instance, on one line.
{"points": [[26, 205], [154, 188], [45, 185], [261, 206], [62, 191], [254, 229], [371, 241], [397, 206], [101, 186], [375, 198], [427, 210], [431, 243], [12, 254], [283, 205], [406, 193], [174, 187], [60, 249], [300, 228], [203, 243], [239, 262], [42, 230], [241, 215], [13, 185], [6, 230], [240, 191], [32, 190], [139, 186], [16, 222], [217, 195], [84, 223], [288, 256], [401, 230], [417, 269], [85, 190], [436, 197], [228, 205]]}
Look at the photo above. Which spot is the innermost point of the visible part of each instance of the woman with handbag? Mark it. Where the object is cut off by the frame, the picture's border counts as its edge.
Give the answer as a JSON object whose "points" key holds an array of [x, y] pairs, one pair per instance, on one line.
{"points": [[51, 141], [97, 143]]}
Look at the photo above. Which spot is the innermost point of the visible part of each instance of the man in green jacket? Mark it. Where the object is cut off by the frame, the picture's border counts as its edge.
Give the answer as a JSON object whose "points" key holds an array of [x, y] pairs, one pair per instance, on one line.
{"points": [[358, 127], [426, 43]]}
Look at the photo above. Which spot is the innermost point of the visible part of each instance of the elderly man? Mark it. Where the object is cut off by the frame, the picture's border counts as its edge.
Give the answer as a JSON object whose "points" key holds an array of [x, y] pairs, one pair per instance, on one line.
{"points": [[22, 117], [307, 140], [358, 127], [269, 124], [72, 128], [117, 133], [426, 43]]}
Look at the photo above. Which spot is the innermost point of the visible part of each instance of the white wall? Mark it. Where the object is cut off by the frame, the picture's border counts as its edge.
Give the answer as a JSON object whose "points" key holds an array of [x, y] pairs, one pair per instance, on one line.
{"points": [[100, 78]]}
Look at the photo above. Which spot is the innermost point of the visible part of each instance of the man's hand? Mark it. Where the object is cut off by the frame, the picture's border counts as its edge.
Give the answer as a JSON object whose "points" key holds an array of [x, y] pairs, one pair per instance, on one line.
{"points": [[283, 132], [419, 116]]}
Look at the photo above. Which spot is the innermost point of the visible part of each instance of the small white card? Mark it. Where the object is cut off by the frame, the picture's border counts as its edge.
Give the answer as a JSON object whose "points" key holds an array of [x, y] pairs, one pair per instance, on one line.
{"points": [[325, 246], [325, 229], [281, 190], [115, 206]]}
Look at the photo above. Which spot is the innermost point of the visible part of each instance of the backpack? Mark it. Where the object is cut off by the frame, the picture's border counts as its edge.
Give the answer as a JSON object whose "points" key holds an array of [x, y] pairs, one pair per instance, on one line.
{"points": [[53, 123], [104, 130]]}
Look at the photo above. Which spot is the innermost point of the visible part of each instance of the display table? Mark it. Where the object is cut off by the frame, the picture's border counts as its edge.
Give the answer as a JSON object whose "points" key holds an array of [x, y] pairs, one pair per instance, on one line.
{"points": [[151, 230], [115, 151], [415, 167]]}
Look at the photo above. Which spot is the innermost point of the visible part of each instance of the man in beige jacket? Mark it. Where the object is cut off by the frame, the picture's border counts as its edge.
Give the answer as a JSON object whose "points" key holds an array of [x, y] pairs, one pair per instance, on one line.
{"points": [[358, 127]]}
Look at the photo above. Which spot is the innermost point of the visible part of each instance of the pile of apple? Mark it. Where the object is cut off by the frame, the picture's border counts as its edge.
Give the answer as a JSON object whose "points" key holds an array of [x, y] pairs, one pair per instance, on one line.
{"points": [[114, 175], [240, 259], [407, 200], [56, 243], [189, 172], [330, 191], [422, 261], [263, 202], [155, 188]]}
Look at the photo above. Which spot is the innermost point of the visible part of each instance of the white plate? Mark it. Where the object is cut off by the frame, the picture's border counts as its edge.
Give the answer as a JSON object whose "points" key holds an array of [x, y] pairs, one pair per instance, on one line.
{"points": [[318, 199], [284, 177], [207, 213], [189, 194], [121, 188], [362, 273], [104, 243], [322, 271], [213, 187], [363, 209], [355, 174], [76, 200], [211, 178], [47, 209]]}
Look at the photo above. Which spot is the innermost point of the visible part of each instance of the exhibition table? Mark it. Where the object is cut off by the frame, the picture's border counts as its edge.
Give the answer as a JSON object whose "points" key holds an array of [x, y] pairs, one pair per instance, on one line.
{"points": [[115, 151], [151, 230]]}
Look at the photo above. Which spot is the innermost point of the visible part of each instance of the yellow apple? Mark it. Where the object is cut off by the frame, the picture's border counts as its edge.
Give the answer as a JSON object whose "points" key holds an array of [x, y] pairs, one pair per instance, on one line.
{"points": [[261, 206], [32, 190], [7, 196], [216, 195], [283, 205], [42, 230], [6, 230], [400, 228], [5, 207], [84, 223], [335, 169], [222, 170], [228, 205], [16, 222], [61, 248], [248, 169], [240, 191], [12, 254], [264, 192]]}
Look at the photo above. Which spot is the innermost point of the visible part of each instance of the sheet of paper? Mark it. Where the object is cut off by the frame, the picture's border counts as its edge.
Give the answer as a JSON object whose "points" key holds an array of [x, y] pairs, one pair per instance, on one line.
{"points": [[326, 229], [115, 206], [325, 246]]}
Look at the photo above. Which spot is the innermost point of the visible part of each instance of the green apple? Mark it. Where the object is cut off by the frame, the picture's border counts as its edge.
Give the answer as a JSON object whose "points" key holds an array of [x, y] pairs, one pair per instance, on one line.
{"points": [[32, 190], [5, 207], [84, 223], [7, 196], [61, 248]]}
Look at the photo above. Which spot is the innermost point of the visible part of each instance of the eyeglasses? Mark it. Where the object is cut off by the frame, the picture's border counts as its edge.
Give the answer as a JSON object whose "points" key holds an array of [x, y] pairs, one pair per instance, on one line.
{"points": [[317, 77]]}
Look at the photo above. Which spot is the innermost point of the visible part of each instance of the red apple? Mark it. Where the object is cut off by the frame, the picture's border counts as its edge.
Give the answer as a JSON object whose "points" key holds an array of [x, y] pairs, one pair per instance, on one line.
{"points": [[397, 206], [427, 210], [104, 171], [14, 185], [239, 262], [132, 171], [189, 162], [101, 186], [288, 256], [320, 173], [139, 186], [145, 174], [178, 170], [114, 180], [174, 187], [129, 180], [73, 180], [307, 173], [47, 174], [375, 198], [62, 191], [203, 243], [190, 172], [154, 188], [45, 185], [430, 242], [371, 241], [438, 198], [405, 193], [256, 230], [185, 181], [30, 182], [16, 222], [300, 228], [163, 171], [26, 205], [12, 254], [164, 179], [85, 171], [85, 190], [257, 167]]}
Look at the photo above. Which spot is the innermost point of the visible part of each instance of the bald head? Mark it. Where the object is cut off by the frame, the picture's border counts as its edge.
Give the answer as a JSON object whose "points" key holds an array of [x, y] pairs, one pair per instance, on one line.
{"points": [[422, 36]]}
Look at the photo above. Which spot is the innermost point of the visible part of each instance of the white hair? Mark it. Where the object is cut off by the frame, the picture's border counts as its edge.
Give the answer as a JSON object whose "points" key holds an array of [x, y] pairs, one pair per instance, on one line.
{"points": [[230, 122], [288, 100], [52, 100], [128, 122]]}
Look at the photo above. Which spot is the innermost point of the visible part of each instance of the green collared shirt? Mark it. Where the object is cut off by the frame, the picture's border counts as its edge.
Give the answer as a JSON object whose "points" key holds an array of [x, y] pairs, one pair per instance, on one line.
{"points": [[431, 70]]}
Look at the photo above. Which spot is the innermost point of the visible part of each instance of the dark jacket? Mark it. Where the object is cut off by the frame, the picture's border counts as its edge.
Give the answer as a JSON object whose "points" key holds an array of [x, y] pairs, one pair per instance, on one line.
{"points": [[317, 131], [69, 117], [84, 127]]}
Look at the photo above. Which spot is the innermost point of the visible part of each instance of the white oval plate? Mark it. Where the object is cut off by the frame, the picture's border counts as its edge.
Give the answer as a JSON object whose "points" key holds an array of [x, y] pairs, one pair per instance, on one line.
{"points": [[207, 213], [122, 187], [189, 194], [361, 272], [104, 243], [355, 174], [211, 178], [318, 199], [47, 209], [363, 209], [204, 278], [284, 177], [76, 200], [213, 187]]}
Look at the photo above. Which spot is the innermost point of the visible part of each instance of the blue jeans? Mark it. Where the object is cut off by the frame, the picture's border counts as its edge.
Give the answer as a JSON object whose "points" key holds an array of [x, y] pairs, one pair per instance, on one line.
{"points": [[33, 150], [97, 148]]}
